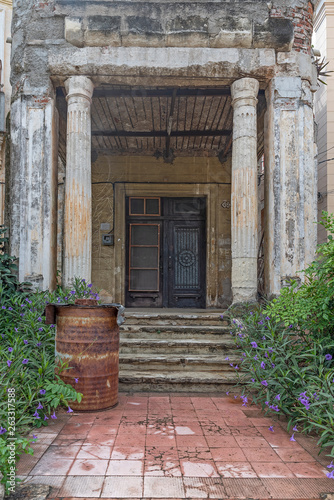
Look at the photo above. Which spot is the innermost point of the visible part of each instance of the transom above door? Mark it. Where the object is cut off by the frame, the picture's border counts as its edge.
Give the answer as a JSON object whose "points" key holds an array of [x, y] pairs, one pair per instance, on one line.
{"points": [[165, 252]]}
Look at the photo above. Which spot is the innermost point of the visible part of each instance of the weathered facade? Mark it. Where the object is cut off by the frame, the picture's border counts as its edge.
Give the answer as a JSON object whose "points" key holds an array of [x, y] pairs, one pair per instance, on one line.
{"points": [[136, 133]]}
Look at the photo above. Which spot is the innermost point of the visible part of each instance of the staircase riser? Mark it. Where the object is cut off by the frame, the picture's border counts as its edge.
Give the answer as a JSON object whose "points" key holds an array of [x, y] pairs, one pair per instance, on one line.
{"points": [[175, 335], [174, 387], [179, 367], [174, 322], [224, 350]]}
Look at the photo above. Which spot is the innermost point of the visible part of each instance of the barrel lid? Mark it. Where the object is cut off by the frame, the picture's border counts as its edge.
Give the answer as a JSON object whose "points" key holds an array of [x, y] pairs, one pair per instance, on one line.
{"points": [[50, 310]]}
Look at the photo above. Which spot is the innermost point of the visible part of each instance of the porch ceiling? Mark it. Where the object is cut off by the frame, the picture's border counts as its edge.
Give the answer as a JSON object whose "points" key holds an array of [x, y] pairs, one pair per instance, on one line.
{"points": [[159, 121], [168, 121]]}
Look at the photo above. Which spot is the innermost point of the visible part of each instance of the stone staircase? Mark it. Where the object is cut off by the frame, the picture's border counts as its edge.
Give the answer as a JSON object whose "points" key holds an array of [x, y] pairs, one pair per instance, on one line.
{"points": [[176, 351]]}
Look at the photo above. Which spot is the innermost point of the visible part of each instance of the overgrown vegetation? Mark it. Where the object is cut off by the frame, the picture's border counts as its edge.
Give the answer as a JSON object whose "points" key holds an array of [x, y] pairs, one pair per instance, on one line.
{"points": [[30, 390], [287, 350]]}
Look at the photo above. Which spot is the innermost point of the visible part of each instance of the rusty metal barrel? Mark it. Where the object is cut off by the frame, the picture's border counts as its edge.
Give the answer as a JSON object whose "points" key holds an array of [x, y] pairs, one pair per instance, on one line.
{"points": [[87, 338]]}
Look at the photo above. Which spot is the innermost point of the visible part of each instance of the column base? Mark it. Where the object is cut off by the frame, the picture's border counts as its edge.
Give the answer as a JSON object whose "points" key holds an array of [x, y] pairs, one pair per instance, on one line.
{"points": [[243, 296]]}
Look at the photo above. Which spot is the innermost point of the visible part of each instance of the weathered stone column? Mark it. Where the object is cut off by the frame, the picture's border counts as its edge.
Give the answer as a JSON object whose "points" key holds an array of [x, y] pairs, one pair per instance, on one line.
{"points": [[33, 186], [78, 184], [290, 181], [244, 217]]}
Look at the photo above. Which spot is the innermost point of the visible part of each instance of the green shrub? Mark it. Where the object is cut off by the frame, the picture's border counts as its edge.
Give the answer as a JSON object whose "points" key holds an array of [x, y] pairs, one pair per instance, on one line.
{"points": [[30, 390], [288, 350]]}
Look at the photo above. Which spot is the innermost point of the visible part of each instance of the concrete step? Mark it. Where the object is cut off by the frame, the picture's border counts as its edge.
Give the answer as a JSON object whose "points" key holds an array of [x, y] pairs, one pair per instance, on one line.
{"points": [[179, 362], [174, 331], [185, 346], [172, 317], [175, 381]]}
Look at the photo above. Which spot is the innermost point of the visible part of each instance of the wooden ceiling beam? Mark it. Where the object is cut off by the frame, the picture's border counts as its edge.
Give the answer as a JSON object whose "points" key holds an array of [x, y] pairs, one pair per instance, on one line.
{"points": [[161, 133]]}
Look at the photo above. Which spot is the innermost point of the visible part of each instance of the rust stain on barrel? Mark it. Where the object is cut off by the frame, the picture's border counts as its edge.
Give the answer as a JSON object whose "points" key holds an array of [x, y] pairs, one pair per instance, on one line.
{"points": [[88, 339]]}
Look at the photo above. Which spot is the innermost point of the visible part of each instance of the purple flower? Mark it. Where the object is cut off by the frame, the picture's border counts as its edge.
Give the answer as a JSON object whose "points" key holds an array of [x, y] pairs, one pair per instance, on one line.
{"points": [[330, 466], [21, 314], [22, 305], [222, 316], [243, 354], [10, 349], [328, 357], [52, 326], [42, 391], [267, 403], [267, 318], [76, 380], [69, 410], [10, 308], [253, 380], [255, 357], [266, 355], [274, 408], [235, 397], [330, 475], [227, 359], [236, 367], [25, 361], [25, 342], [40, 329], [46, 418], [3, 307], [271, 428], [263, 365], [295, 429], [273, 365], [278, 397], [263, 338], [228, 392], [264, 382], [54, 416], [2, 430], [231, 364], [270, 351], [72, 292], [36, 414], [34, 437], [40, 406], [39, 344], [90, 285], [290, 326], [292, 438], [39, 319], [254, 344], [9, 362], [261, 322]]}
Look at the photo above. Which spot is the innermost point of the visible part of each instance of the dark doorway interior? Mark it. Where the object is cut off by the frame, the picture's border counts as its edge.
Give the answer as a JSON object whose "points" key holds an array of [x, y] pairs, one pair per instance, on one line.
{"points": [[165, 252]]}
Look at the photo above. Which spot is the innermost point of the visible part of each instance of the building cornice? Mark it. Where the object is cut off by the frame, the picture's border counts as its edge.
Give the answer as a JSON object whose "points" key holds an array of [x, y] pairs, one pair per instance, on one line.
{"points": [[6, 2], [326, 9]]}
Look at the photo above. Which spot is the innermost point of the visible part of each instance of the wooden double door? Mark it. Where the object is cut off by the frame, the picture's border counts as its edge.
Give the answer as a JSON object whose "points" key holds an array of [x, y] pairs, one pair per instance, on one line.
{"points": [[165, 252]]}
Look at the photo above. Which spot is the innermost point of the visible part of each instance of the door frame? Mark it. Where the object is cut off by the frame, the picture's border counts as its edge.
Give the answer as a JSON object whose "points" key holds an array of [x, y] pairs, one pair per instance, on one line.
{"points": [[209, 191]]}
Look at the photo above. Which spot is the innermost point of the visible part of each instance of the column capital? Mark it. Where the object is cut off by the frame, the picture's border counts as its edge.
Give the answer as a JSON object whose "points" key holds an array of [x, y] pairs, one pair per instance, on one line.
{"points": [[79, 86], [244, 89]]}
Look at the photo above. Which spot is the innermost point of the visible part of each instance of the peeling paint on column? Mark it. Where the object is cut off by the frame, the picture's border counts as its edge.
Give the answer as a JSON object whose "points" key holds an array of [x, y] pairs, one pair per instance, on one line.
{"points": [[78, 183], [244, 199]]}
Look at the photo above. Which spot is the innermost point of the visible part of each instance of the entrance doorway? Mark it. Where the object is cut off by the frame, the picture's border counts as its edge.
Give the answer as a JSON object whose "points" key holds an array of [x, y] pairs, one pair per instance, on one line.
{"points": [[165, 252]]}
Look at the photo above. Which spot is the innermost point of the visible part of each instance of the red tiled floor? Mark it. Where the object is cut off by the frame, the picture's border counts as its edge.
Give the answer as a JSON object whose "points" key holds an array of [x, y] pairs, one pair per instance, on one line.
{"points": [[94, 452], [309, 469], [235, 469], [161, 446], [198, 468], [228, 455], [263, 454], [85, 467], [125, 468], [128, 453], [272, 469], [293, 455]]}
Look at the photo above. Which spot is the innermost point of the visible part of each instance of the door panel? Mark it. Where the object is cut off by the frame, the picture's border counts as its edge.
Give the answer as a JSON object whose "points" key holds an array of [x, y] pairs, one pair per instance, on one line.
{"points": [[186, 264]]}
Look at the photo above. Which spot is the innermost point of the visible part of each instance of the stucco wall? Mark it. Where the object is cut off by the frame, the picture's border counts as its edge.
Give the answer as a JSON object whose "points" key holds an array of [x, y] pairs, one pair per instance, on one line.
{"points": [[200, 175]]}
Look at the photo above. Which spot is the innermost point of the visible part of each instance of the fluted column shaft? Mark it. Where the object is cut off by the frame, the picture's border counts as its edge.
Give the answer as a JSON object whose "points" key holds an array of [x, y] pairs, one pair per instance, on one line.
{"points": [[78, 185], [244, 217]]}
